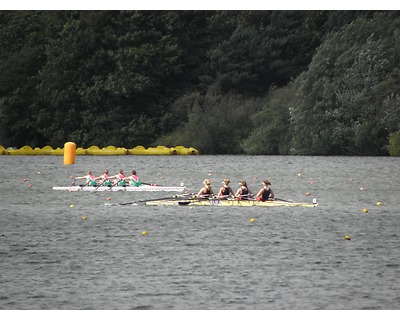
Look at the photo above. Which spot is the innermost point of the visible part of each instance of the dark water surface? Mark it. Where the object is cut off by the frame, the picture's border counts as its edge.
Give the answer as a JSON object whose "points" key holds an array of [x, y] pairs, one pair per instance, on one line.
{"points": [[201, 257]]}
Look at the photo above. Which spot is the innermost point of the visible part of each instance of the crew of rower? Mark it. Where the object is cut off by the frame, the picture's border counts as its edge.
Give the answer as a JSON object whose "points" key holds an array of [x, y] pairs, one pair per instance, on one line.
{"points": [[225, 192], [109, 181], [242, 193]]}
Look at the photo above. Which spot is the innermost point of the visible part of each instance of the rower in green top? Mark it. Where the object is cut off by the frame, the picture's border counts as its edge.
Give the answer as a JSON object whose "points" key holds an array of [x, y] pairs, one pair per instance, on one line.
{"points": [[90, 179], [105, 179], [120, 178], [134, 180]]}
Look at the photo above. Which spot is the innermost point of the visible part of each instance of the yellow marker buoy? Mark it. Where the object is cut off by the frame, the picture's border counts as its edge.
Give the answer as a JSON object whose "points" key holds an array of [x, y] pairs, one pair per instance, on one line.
{"points": [[365, 210], [144, 233], [378, 203], [347, 237], [84, 218], [252, 220], [71, 206]]}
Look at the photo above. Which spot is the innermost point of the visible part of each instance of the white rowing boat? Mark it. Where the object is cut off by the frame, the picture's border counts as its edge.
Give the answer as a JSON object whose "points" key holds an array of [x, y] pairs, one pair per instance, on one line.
{"points": [[117, 188]]}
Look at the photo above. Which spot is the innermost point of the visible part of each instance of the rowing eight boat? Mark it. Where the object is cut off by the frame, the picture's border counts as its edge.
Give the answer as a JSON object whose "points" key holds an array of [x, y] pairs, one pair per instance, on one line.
{"points": [[117, 188], [228, 203]]}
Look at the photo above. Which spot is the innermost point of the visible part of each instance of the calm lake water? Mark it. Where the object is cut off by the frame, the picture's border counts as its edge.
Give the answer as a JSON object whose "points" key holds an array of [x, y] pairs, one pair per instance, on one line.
{"points": [[201, 257]]}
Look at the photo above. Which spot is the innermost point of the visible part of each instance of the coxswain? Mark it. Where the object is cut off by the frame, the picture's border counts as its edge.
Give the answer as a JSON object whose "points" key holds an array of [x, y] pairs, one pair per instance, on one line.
{"points": [[265, 192]]}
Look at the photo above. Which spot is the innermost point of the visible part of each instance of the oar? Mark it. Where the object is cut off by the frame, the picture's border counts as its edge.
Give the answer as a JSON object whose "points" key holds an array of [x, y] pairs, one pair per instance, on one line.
{"points": [[151, 184], [185, 195], [279, 199], [164, 198], [245, 196], [100, 185], [113, 185], [199, 199], [81, 186], [228, 196], [109, 187]]}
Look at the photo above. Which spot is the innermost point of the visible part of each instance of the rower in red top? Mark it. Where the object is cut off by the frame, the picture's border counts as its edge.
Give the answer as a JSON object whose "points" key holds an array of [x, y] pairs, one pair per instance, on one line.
{"points": [[243, 193], [206, 191], [134, 180], [265, 192], [90, 179]]}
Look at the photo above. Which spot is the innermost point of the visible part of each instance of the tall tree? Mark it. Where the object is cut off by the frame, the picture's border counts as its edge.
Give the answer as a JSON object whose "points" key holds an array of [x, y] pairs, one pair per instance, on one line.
{"points": [[23, 38], [342, 94]]}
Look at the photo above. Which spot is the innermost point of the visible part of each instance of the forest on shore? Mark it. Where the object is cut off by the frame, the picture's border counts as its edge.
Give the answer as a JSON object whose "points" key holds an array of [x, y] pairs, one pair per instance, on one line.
{"points": [[223, 82]]}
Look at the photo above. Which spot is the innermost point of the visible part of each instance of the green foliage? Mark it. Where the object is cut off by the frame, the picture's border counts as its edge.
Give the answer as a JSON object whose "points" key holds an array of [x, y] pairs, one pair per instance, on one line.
{"points": [[264, 49], [349, 89], [271, 134], [394, 144], [259, 82], [217, 123]]}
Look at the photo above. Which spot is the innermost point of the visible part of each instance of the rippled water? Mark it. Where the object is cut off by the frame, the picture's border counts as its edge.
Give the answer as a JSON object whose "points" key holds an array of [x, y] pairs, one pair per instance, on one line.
{"points": [[201, 257]]}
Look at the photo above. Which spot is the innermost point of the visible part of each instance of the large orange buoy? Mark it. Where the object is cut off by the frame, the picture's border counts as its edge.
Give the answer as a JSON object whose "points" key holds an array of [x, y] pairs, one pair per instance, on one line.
{"points": [[69, 152]]}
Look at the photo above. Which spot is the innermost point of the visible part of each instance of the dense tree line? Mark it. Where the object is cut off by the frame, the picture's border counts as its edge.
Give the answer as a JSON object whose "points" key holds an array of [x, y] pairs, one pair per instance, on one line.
{"points": [[256, 82]]}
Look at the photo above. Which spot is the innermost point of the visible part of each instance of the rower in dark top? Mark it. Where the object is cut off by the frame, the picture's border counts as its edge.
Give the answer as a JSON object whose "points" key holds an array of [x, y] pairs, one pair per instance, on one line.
{"points": [[226, 190], [243, 193], [265, 192], [206, 191]]}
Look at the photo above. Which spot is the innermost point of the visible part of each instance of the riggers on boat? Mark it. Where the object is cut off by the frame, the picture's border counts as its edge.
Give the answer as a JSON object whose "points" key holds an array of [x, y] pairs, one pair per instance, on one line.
{"points": [[117, 188], [230, 203]]}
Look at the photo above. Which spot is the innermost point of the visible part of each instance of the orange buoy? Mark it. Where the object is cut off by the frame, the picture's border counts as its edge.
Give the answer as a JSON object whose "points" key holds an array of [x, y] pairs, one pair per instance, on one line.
{"points": [[69, 152]]}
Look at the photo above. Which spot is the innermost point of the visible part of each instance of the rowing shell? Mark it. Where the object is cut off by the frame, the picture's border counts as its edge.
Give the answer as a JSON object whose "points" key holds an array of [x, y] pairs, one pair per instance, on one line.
{"points": [[116, 188], [230, 203]]}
